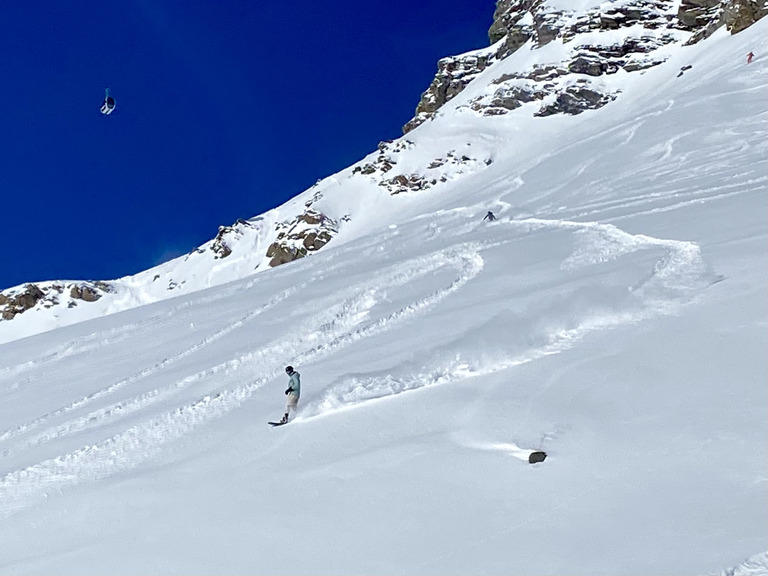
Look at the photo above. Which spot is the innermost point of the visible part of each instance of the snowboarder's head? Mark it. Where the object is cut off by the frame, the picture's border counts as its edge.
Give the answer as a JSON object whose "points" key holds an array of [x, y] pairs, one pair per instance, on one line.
{"points": [[289, 369]]}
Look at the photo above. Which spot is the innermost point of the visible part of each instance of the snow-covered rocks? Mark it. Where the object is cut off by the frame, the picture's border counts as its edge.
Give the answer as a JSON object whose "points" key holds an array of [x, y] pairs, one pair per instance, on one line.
{"points": [[453, 75], [307, 233], [45, 295], [383, 169], [228, 235], [609, 38]]}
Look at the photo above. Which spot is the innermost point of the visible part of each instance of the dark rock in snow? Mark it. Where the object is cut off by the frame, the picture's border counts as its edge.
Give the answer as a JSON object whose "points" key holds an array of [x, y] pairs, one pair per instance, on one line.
{"points": [[536, 457]]}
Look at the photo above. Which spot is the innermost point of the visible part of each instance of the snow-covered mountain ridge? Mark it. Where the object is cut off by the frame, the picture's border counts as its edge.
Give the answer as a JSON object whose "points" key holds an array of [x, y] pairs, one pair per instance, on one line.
{"points": [[546, 59], [614, 315]]}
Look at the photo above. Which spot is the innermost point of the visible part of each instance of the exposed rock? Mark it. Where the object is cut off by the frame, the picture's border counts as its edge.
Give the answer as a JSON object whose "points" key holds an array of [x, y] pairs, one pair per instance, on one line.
{"points": [[453, 163], [536, 457], [21, 301], [576, 99], [703, 17], [408, 183], [508, 97], [513, 24], [84, 292], [741, 14], [220, 245], [453, 75], [307, 233], [547, 26], [516, 22], [15, 301]]}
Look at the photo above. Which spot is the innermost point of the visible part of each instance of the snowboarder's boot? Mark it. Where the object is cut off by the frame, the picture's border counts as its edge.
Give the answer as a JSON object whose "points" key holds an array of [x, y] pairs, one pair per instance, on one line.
{"points": [[284, 419]]}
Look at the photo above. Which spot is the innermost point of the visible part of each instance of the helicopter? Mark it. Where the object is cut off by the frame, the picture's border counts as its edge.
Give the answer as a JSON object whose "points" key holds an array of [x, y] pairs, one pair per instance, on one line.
{"points": [[108, 106]]}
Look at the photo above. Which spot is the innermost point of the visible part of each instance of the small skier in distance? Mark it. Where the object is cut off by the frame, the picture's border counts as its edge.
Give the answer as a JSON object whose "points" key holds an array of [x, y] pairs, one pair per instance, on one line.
{"points": [[750, 57], [293, 392], [490, 217]]}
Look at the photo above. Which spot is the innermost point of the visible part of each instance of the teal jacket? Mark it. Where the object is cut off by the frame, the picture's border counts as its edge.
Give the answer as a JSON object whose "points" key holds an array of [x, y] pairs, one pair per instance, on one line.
{"points": [[294, 384]]}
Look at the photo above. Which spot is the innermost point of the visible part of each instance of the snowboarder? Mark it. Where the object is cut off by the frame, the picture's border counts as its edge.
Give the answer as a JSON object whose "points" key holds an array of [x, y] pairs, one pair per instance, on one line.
{"points": [[108, 106], [490, 217], [750, 56], [293, 392]]}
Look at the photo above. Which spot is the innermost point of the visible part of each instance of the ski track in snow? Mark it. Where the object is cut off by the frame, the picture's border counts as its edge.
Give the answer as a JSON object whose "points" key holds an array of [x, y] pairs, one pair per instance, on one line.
{"points": [[86, 400], [337, 329], [116, 334], [675, 278], [677, 275]]}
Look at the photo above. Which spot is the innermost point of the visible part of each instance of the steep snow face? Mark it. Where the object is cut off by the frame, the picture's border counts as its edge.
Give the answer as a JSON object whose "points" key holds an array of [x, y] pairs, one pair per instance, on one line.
{"points": [[614, 315]]}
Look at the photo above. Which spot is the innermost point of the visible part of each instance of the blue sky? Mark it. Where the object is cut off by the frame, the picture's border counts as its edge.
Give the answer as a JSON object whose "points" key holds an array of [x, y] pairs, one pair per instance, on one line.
{"points": [[224, 110]]}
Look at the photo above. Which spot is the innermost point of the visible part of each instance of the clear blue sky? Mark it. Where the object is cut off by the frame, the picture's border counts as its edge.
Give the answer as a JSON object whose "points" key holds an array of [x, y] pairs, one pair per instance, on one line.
{"points": [[225, 109]]}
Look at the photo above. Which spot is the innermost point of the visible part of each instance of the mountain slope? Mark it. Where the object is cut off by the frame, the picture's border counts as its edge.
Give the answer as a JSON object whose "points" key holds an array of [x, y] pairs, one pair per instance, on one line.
{"points": [[614, 315], [547, 58]]}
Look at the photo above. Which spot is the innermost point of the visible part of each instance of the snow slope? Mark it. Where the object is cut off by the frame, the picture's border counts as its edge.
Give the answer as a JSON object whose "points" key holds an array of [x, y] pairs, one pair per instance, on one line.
{"points": [[614, 316]]}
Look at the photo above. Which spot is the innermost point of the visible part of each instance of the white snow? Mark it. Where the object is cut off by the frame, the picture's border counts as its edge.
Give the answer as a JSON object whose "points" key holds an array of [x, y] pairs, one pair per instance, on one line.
{"points": [[613, 316]]}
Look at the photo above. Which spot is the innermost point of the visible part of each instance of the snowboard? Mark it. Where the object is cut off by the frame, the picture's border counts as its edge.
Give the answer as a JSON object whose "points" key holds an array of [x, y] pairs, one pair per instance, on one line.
{"points": [[273, 424]]}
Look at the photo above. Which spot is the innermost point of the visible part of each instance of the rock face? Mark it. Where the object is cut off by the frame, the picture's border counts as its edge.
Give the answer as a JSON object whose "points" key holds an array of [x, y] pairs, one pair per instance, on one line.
{"points": [[20, 302], [453, 75], [703, 17], [567, 87], [15, 301], [740, 14], [305, 234], [226, 236]]}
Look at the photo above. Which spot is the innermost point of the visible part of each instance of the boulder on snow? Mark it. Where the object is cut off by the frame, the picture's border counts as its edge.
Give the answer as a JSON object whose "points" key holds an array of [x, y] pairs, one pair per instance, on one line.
{"points": [[536, 457]]}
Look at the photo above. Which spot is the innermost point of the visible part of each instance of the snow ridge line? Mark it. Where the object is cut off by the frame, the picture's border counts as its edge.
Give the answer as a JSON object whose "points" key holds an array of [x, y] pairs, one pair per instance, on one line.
{"points": [[141, 441], [77, 404]]}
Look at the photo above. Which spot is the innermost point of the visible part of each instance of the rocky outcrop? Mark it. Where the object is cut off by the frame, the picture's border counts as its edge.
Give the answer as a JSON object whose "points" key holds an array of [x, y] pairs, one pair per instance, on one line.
{"points": [[386, 160], [575, 99], [227, 236], [651, 25], [741, 14], [703, 17], [21, 301], [18, 300], [383, 169], [307, 233], [88, 293], [453, 75]]}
